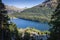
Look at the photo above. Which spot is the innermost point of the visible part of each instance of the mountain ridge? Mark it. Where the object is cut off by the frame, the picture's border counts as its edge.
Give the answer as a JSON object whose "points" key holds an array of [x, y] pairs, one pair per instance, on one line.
{"points": [[41, 12], [13, 9]]}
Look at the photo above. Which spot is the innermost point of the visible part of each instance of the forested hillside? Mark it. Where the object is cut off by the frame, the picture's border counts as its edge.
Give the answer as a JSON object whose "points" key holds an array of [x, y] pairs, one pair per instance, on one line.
{"points": [[41, 12]]}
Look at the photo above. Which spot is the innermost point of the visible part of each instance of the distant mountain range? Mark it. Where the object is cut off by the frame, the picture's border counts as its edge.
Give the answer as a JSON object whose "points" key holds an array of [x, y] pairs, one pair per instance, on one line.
{"points": [[41, 12], [13, 9]]}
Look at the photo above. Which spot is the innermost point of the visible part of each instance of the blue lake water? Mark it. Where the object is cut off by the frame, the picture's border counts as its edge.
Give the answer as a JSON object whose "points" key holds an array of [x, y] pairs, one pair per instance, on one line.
{"points": [[21, 23]]}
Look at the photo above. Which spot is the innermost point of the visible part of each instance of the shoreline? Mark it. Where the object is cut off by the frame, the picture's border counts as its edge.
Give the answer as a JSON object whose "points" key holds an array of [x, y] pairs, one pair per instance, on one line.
{"points": [[27, 19], [30, 20]]}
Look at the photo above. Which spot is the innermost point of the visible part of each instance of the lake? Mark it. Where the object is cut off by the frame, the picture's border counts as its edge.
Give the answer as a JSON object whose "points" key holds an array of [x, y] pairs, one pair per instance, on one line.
{"points": [[21, 23]]}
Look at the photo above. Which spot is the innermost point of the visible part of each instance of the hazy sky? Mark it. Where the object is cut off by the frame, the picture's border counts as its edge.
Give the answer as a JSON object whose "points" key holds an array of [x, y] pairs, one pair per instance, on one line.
{"points": [[22, 3]]}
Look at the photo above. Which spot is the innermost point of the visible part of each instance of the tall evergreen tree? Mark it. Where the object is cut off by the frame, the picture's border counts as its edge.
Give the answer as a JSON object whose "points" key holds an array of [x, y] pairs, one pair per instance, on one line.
{"points": [[4, 25], [17, 37], [55, 23], [26, 36]]}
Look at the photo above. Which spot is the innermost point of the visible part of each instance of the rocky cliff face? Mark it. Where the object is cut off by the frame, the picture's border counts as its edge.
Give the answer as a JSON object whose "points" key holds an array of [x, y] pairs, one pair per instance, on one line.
{"points": [[49, 3]]}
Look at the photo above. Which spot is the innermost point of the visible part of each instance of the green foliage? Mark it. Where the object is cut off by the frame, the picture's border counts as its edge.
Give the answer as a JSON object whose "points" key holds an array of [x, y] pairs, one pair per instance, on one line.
{"points": [[8, 30], [14, 31], [28, 33], [4, 25], [26, 36], [55, 23], [30, 30]]}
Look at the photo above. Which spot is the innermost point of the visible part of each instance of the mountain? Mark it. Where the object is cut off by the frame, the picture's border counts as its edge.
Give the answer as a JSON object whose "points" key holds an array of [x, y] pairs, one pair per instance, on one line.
{"points": [[49, 3], [41, 12], [13, 9]]}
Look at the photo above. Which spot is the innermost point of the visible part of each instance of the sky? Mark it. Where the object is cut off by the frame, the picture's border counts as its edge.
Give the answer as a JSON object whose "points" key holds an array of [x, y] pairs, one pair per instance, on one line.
{"points": [[22, 3]]}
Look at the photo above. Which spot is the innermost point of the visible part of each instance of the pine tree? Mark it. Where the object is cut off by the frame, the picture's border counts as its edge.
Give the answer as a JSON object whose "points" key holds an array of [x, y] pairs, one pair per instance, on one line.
{"points": [[55, 23], [26, 36], [17, 37], [4, 25]]}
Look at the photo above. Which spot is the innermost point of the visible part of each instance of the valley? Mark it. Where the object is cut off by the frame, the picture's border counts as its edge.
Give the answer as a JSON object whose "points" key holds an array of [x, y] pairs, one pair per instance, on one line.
{"points": [[41, 12]]}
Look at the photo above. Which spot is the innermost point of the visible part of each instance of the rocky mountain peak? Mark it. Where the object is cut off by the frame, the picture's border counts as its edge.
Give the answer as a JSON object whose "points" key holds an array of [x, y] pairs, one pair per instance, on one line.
{"points": [[50, 3]]}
